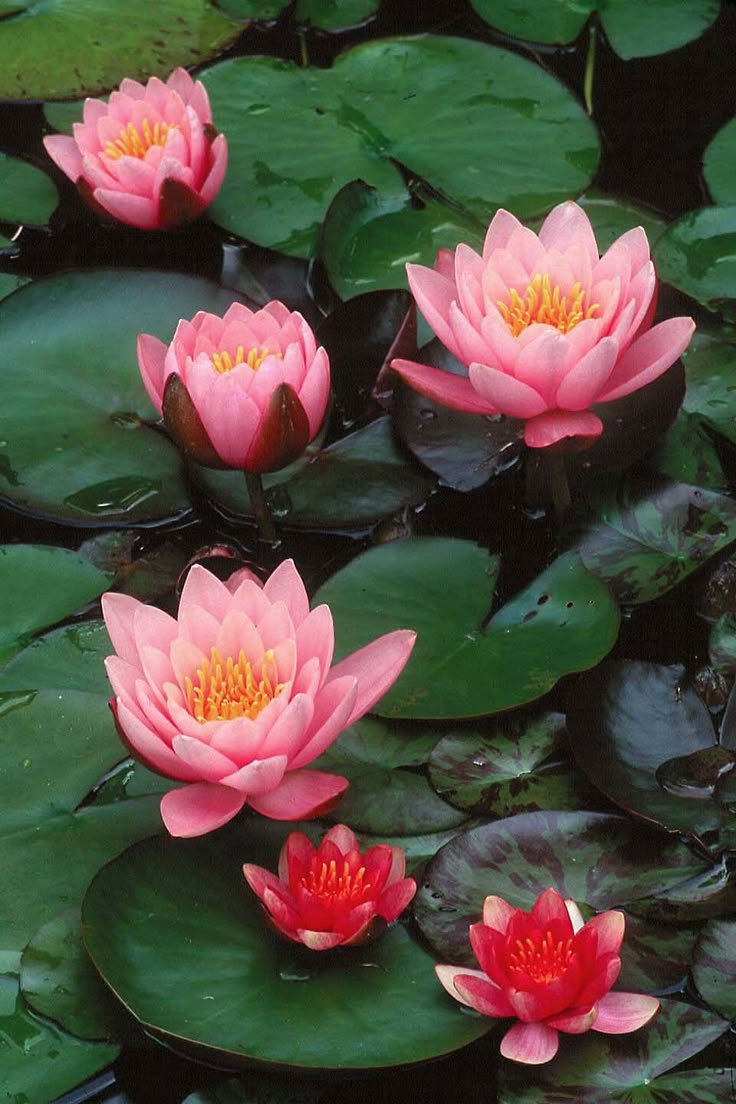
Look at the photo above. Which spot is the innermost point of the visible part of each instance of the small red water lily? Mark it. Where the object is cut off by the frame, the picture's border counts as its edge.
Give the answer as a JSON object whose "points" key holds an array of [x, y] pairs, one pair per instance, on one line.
{"points": [[248, 390], [332, 895], [549, 970], [546, 326], [150, 157], [237, 695]]}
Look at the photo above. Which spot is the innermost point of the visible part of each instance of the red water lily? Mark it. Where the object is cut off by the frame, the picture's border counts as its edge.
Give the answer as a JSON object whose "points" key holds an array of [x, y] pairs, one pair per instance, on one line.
{"points": [[332, 895], [549, 970]]}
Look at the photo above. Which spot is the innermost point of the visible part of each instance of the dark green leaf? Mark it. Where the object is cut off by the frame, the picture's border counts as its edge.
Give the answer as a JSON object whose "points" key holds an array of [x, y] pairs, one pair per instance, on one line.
{"points": [[71, 658], [335, 15], [718, 162], [27, 195], [697, 254], [714, 966]]}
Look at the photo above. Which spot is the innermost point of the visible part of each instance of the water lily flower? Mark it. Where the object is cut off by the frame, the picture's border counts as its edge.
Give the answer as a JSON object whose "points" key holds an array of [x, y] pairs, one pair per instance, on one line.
{"points": [[549, 970], [546, 326], [150, 157], [236, 695], [332, 895], [248, 390]]}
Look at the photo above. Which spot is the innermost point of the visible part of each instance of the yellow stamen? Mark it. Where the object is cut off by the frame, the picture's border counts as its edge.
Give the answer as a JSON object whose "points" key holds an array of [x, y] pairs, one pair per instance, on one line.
{"points": [[136, 143], [545, 961], [223, 362], [323, 880], [543, 303], [229, 689]]}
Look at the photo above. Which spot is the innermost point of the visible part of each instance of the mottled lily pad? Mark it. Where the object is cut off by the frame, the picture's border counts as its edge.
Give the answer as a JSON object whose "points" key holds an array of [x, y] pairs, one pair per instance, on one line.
{"points": [[27, 195], [714, 966], [191, 956], [697, 254], [564, 621], [710, 364], [655, 957], [318, 129]]}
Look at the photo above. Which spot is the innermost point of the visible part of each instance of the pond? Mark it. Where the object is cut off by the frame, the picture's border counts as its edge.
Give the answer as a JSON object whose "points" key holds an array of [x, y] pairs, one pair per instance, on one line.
{"points": [[533, 473]]}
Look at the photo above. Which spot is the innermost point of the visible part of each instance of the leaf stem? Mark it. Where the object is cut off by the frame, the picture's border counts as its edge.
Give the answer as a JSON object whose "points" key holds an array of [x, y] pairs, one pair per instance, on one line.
{"points": [[261, 512]]}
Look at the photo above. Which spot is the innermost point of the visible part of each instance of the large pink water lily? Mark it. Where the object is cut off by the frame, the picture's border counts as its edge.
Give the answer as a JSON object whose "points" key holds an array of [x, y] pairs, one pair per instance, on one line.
{"points": [[236, 695], [150, 157], [248, 390], [549, 970], [546, 326]]}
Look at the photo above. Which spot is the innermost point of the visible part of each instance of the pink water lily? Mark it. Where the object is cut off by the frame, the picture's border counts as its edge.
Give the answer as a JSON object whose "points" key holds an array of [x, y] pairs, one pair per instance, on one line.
{"points": [[150, 157], [332, 895], [549, 970], [247, 390], [546, 326], [236, 695]]}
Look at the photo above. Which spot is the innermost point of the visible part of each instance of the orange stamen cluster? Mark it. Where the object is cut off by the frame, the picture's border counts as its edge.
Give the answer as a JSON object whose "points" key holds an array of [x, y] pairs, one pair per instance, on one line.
{"points": [[223, 362], [323, 880], [222, 691], [543, 303], [136, 143], [542, 960]]}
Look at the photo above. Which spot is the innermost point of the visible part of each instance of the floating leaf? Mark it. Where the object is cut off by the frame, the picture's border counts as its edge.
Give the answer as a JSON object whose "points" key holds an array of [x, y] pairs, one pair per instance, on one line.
{"points": [[318, 129], [146, 576], [718, 162], [70, 657], [710, 362], [27, 195], [697, 254], [655, 957], [40, 585], [687, 454], [96, 46], [714, 966], [195, 962], [335, 15], [442, 588]]}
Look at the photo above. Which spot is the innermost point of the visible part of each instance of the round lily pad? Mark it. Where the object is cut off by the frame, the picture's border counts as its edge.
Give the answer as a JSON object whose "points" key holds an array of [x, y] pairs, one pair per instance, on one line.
{"points": [[598, 860], [78, 440], [175, 932], [99, 42], [335, 15], [714, 966], [697, 254], [71, 657], [27, 195], [462, 667], [317, 129], [718, 164]]}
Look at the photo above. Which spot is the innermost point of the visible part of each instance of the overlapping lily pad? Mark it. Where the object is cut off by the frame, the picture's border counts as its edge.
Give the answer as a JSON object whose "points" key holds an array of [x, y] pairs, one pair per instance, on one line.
{"points": [[718, 164], [714, 966], [514, 137], [80, 446], [97, 44], [443, 588], [27, 195], [599, 860], [697, 254], [40, 585], [175, 932], [632, 29]]}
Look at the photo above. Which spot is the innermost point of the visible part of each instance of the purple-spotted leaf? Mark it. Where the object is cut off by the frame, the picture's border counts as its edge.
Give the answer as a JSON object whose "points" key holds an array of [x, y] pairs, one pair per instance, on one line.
{"points": [[714, 966], [653, 956], [599, 860]]}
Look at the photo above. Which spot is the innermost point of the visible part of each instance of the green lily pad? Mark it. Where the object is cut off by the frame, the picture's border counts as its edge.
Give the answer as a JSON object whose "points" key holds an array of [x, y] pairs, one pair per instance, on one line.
{"points": [[78, 446], [384, 797], [335, 15], [350, 485], [519, 766], [71, 658], [40, 1062], [252, 9], [27, 195], [599, 860], [655, 957], [318, 129], [177, 935], [718, 162], [600, 1069], [714, 966], [97, 44], [710, 362], [58, 980], [417, 849], [145, 576], [650, 533], [697, 254], [670, 778], [9, 284], [687, 454], [611, 216], [40, 585], [632, 29], [564, 621]]}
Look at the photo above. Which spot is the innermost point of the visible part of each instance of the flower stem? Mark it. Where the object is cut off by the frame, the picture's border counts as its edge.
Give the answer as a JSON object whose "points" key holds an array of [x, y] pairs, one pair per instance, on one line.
{"points": [[590, 69], [261, 512], [558, 485]]}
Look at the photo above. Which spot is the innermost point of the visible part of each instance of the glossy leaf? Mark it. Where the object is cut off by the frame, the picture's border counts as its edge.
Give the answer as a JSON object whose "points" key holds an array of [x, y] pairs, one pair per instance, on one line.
{"points": [[714, 966], [687, 454], [650, 534], [443, 588], [70, 657], [632, 29], [709, 366], [27, 195], [718, 164], [75, 410], [697, 254], [40, 585], [193, 959], [318, 129], [599, 860], [97, 45], [334, 15]]}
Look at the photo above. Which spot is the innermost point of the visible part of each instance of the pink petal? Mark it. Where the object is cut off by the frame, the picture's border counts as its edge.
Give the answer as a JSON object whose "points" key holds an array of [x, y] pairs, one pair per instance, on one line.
{"points": [[344, 838], [320, 941], [303, 793], [530, 1043], [286, 735], [543, 362], [576, 916], [469, 341], [259, 777], [376, 666], [285, 585], [314, 393], [152, 748], [209, 764], [547, 429], [549, 908], [502, 226], [118, 611], [64, 152], [151, 355], [567, 225], [619, 1013], [434, 293], [333, 708], [133, 210], [455, 392], [199, 808], [648, 357], [505, 394], [497, 913], [573, 1023], [482, 995], [448, 974], [582, 384], [315, 639], [259, 879], [610, 928], [204, 589]]}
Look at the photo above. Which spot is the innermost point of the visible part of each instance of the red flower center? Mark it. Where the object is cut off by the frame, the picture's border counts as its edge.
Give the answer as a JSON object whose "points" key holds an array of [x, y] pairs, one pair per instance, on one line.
{"points": [[136, 143], [540, 959], [322, 879], [229, 688], [543, 303]]}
